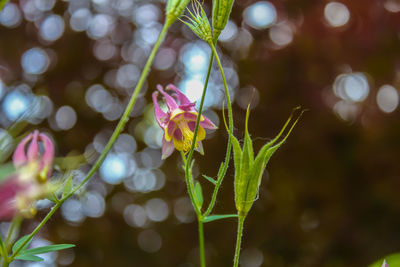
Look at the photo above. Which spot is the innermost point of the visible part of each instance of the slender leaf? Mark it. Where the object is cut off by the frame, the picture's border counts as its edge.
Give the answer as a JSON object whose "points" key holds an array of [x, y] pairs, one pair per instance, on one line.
{"points": [[3, 3], [199, 194], [28, 257], [67, 186], [392, 260], [210, 179], [46, 249], [19, 243], [219, 217]]}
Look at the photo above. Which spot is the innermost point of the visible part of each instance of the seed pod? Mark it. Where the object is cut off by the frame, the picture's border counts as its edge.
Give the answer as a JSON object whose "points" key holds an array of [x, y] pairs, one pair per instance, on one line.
{"points": [[175, 9], [198, 22], [249, 170], [220, 15]]}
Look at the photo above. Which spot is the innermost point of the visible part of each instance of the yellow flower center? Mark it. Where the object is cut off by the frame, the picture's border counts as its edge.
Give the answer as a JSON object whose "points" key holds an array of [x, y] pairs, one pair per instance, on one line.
{"points": [[187, 135]]}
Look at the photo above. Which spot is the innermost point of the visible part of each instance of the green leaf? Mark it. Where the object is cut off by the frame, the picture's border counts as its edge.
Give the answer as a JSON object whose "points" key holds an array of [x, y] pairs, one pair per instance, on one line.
{"points": [[67, 186], [392, 260], [3, 3], [46, 249], [19, 243], [6, 170], [199, 194], [28, 257], [219, 217], [210, 179]]}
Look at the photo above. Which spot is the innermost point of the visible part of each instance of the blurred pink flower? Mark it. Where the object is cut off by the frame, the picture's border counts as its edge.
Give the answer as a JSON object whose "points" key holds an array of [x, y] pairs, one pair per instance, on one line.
{"points": [[179, 122], [384, 264], [19, 191], [28, 151]]}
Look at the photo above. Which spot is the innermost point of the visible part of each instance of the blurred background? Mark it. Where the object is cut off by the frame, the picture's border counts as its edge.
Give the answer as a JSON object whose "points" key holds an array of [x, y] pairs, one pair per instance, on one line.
{"points": [[330, 194]]}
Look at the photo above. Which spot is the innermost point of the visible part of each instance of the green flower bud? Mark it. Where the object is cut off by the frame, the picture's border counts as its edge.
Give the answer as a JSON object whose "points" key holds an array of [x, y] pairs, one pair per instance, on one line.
{"points": [[249, 171], [198, 22], [220, 15], [175, 9]]}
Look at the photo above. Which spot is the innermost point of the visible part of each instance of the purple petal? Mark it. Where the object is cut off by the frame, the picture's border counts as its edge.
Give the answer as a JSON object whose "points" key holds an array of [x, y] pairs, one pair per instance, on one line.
{"points": [[384, 264], [169, 130], [178, 134], [183, 100], [171, 103], [19, 157], [160, 114], [207, 123], [167, 148], [33, 148]]}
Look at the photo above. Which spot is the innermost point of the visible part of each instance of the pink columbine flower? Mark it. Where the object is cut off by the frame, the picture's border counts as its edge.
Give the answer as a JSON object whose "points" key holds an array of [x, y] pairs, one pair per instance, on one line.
{"points": [[28, 151], [19, 192], [179, 122]]}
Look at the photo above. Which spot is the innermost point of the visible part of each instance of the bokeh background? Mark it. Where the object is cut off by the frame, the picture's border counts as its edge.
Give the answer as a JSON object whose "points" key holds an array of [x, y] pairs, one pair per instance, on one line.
{"points": [[330, 196]]}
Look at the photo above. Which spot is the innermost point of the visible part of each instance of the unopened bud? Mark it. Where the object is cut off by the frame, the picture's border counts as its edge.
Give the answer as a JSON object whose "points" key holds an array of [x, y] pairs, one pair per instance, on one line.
{"points": [[175, 9], [220, 15]]}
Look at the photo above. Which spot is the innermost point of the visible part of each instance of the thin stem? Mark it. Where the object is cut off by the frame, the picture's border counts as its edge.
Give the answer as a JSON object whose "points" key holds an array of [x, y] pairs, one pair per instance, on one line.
{"points": [[238, 240], [221, 174], [201, 243], [16, 222], [122, 122], [37, 229], [125, 117], [3, 252]]}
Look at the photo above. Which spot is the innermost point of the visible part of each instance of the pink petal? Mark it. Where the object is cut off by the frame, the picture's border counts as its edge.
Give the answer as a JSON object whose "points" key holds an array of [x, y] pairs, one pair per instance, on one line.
{"points": [[48, 154], [33, 148], [171, 103], [207, 123], [160, 114], [167, 148], [19, 157], [183, 100]]}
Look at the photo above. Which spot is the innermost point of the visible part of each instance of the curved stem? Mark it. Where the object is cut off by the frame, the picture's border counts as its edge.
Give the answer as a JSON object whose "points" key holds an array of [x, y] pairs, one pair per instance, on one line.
{"points": [[125, 117], [3, 253], [238, 240], [121, 124], [201, 243], [37, 229], [16, 222], [222, 173]]}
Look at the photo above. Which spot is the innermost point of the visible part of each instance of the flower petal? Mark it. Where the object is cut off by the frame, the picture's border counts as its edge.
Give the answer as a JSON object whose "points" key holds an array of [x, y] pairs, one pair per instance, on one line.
{"points": [[171, 103], [179, 144], [183, 100], [33, 148], [207, 123], [167, 148], [19, 157], [201, 134], [48, 154], [169, 130], [159, 113]]}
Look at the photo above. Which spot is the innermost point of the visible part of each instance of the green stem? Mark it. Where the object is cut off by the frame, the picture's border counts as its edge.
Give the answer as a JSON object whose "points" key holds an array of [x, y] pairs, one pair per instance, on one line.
{"points": [[37, 229], [238, 240], [222, 173], [3, 253], [122, 122], [16, 222], [201, 243], [125, 117]]}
